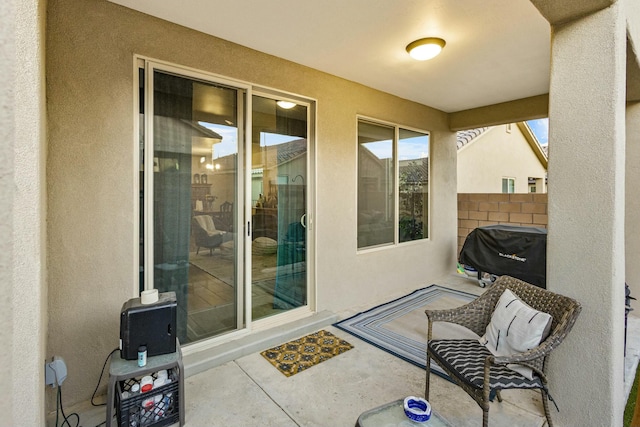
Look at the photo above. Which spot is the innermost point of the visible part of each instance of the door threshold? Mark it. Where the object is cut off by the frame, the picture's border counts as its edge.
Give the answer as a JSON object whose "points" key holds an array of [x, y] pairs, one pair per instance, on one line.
{"points": [[201, 360]]}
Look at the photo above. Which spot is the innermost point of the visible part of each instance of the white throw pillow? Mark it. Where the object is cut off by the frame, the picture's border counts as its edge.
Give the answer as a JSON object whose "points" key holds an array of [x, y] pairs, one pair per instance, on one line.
{"points": [[515, 327]]}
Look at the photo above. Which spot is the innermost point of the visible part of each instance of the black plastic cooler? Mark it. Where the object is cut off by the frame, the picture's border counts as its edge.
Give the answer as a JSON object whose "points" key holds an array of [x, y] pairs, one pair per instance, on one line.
{"points": [[511, 250]]}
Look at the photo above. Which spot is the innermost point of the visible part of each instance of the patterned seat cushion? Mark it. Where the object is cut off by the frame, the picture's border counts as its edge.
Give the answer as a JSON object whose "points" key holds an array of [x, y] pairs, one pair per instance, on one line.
{"points": [[465, 358]]}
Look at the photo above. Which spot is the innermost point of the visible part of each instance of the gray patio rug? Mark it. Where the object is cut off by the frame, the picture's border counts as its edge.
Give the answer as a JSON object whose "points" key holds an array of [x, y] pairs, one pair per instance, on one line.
{"points": [[400, 326]]}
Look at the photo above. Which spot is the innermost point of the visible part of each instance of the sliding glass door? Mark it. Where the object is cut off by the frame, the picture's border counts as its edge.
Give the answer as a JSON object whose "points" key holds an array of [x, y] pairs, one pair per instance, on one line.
{"points": [[196, 132], [279, 147], [223, 214]]}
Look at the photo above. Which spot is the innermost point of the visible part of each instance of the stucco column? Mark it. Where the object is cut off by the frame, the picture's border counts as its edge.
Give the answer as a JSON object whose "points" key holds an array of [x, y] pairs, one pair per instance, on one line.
{"points": [[27, 295], [444, 180], [585, 250], [7, 135], [632, 202]]}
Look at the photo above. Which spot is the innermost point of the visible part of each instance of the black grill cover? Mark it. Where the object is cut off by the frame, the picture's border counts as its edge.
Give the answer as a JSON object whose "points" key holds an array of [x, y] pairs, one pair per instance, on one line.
{"points": [[511, 250]]}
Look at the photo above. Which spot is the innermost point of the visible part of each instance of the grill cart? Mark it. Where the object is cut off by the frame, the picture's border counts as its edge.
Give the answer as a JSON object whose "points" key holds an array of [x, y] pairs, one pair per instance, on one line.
{"points": [[497, 250]]}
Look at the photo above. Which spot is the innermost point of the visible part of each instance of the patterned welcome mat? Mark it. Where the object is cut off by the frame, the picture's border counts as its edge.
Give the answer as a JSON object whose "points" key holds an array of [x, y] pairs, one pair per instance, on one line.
{"points": [[303, 353], [400, 326]]}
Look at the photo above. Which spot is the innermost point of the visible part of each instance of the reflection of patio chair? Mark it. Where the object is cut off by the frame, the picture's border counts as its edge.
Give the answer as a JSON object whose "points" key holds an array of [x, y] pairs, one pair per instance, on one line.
{"points": [[206, 234], [479, 372]]}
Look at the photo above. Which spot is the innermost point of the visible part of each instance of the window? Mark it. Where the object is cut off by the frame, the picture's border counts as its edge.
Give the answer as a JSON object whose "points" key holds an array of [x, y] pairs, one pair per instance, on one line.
{"points": [[508, 185], [393, 184]]}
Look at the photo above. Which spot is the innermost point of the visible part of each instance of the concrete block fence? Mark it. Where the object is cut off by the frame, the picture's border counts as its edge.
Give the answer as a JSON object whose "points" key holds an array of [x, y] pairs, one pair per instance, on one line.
{"points": [[479, 209]]}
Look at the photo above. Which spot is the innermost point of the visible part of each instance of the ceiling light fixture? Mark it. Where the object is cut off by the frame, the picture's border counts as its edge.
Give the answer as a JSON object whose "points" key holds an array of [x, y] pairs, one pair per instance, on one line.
{"points": [[286, 104], [427, 48]]}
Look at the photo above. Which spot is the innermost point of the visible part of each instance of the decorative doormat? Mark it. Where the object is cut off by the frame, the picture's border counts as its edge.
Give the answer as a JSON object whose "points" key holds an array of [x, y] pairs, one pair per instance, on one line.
{"points": [[303, 353]]}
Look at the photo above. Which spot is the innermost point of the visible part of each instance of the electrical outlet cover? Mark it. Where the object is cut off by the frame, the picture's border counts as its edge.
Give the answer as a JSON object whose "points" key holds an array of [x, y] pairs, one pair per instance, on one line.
{"points": [[55, 372]]}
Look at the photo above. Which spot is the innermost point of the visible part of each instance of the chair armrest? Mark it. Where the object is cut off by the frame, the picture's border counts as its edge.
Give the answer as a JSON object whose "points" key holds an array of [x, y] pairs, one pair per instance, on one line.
{"points": [[533, 358], [474, 315], [530, 355]]}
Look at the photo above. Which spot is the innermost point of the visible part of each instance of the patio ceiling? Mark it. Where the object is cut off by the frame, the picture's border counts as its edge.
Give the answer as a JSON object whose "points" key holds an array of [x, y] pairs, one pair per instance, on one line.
{"points": [[497, 50]]}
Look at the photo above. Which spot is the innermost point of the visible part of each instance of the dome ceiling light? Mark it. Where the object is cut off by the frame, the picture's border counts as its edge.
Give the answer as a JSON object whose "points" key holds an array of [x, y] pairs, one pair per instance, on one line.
{"points": [[426, 48], [286, 104]]}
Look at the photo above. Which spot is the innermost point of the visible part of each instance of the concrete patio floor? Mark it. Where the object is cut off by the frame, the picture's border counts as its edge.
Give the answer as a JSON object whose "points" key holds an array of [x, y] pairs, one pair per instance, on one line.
{"points": [[249, 391]]}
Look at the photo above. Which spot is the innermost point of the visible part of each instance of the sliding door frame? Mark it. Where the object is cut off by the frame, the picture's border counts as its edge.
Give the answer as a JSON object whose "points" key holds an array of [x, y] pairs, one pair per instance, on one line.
{"points": [[310, 307], [242, 216]]}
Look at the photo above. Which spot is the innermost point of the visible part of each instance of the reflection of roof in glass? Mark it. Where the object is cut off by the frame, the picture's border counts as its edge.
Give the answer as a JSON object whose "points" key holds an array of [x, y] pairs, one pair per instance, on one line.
{"points": [[284, 152], [182, 136], [414, 171], [290, 150]]}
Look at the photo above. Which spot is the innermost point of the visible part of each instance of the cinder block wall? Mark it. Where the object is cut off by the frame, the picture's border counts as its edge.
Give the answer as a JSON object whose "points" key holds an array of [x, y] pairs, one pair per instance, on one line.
{"points": [[479, 209]]}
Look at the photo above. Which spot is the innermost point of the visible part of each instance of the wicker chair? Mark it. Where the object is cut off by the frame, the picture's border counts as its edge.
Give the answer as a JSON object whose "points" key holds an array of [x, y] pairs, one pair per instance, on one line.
{"points": [[485, 374]]}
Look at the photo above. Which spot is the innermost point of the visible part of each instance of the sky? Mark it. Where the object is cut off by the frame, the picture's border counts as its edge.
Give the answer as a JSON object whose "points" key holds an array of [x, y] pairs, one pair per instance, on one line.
{"points": [[540, 129]]}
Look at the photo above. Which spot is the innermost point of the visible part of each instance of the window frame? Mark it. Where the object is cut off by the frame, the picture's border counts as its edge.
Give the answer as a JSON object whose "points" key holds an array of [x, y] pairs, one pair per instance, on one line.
{"points": [[396, 183], [509, 180]]}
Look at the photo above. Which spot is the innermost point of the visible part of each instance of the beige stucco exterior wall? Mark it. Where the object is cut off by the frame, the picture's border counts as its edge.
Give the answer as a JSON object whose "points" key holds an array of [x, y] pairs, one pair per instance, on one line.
{"points": [[7, 134], [23, 294], [497, 154], [90, 83], [588, 139], [535, 107]]}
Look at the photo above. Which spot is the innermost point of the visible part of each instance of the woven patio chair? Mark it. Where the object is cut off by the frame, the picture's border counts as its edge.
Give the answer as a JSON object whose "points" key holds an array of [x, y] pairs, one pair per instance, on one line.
{"points": [[474, 368]]}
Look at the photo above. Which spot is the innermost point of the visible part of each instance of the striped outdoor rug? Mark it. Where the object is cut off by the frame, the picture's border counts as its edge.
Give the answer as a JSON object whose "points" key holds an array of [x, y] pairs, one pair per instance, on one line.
{"points": [[400, 326]]}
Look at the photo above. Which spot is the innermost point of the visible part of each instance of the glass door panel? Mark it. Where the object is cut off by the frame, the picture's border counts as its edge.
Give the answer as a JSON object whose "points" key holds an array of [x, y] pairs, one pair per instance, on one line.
{"points": [[279, 147], [195, 181]]}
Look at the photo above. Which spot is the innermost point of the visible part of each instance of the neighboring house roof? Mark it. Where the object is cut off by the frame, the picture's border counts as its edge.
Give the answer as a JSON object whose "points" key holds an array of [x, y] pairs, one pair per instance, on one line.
{"points": [[545, 148], [466, 137], [534, 143]]}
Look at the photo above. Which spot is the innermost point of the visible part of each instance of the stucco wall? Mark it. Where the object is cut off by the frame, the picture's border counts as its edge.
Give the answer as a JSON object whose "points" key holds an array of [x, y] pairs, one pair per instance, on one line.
{"points": [[493, 155], [90, 48], [23, 168], [7, 134], [588, 139]]}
